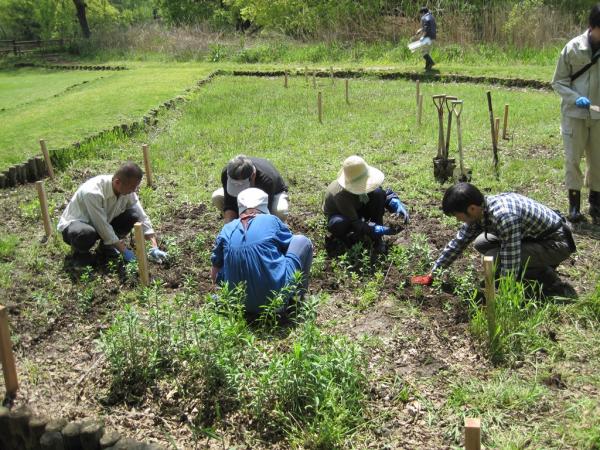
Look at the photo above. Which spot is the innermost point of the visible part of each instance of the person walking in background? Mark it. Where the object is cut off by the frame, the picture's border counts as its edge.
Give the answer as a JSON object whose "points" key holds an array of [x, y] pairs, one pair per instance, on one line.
{"points": [[243, 172], [355, 202], [106, 207], [259, 250], [427, 34], [577, 80]]}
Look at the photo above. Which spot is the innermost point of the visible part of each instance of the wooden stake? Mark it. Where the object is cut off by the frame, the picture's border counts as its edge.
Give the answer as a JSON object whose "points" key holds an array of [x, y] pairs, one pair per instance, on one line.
{"points": [[320, 106], [44, 207], [419, 109], [418, 91], [47, 159], [306, 75], [147, 165], [140, 250], [493, 131], [332, 78], [314, 79], [347, 94], [490, 297], [505, 128], [285, 79], [472, 434], [6, 355]]}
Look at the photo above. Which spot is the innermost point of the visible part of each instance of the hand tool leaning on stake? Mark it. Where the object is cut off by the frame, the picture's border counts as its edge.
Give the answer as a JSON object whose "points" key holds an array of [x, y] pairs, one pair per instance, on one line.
{"points": [[449, 99], [464, 174]]}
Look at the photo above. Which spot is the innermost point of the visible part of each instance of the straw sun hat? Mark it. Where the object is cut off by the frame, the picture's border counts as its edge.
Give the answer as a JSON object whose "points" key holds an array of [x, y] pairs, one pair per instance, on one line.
{"points": [[358, 177]]}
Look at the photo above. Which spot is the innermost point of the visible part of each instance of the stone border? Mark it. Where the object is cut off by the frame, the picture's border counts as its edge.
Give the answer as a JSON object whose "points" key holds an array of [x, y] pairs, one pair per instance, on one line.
{"points": [[20, 429]]}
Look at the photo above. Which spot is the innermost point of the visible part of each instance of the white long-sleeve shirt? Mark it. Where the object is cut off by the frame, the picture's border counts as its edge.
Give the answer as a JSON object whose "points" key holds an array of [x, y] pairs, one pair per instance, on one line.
{"points": [[96, 204]]}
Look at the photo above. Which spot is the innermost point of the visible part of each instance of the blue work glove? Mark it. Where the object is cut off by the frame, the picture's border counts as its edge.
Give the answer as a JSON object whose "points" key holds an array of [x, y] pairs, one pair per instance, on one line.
{"points": [[399, 209], [583, 102], [128, 256], [158, 256], [381, 230]]}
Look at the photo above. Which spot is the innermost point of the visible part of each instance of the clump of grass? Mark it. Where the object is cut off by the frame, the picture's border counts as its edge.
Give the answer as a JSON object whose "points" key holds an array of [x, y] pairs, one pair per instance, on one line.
{"points": [[8, 246], [520, 322], [308, 384]]}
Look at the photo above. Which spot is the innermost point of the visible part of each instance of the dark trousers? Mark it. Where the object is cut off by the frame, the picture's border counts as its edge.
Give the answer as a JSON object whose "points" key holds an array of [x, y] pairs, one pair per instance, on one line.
{"points": [[340, 226], [536, 255], [82, 236]]}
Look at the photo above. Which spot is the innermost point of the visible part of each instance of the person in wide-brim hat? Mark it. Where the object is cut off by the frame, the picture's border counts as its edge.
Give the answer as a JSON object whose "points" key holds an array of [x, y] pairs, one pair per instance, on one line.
{"points": [[355, 203]]}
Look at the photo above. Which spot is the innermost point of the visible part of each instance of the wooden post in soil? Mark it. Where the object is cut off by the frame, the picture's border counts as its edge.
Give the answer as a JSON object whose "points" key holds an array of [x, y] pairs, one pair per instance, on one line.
{"points": [[472, 434], [47, 159], [347, 93], [418, 91], [505, 127], [306, 75], [44, 207], [285, 79], [314, 79], [490, 302], [9, 368], [419, 109], [332, 77], [320, 106], [147, 165], [140, 250], [493, 131]]}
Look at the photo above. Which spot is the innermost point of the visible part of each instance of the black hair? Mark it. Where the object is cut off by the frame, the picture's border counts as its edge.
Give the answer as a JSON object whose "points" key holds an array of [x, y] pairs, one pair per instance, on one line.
{"points": [[424, 10], [459, 197], [129, 171], [594, 19]]}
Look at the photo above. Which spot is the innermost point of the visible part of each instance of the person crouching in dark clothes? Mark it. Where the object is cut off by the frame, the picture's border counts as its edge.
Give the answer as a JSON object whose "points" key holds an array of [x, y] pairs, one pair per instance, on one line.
{"points": [[355, 204]]}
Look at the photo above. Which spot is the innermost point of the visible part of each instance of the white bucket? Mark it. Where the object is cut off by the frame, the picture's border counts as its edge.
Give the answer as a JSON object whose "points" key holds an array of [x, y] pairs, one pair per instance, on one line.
{"points": [[416, 45]]}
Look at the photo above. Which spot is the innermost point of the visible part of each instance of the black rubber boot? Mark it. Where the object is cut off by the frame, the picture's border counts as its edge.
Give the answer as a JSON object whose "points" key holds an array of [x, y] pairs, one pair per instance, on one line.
{"points": [[575, 206], [429, 63], [595, 206]]}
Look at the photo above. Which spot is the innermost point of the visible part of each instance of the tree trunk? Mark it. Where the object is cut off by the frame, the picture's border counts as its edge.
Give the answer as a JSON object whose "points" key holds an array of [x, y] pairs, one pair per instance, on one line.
{"points": [[80, 7]]}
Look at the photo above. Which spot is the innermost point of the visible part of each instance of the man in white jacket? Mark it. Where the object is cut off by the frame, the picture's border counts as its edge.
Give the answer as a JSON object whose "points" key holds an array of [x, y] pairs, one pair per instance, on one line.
{"points": [[106, 207], [577, 81]]}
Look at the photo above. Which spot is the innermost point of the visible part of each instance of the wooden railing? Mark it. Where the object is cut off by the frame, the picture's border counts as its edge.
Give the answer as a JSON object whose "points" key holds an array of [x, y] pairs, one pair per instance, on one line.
{"points": [[21, 47]]}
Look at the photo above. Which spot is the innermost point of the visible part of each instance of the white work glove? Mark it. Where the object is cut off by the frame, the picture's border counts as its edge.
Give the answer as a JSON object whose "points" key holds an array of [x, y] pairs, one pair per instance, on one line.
{"points": [[157, 256]]}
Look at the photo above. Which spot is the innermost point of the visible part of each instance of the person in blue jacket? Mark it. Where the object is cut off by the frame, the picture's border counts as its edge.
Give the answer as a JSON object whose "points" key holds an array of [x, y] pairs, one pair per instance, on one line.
{"points": [[259, 250]]}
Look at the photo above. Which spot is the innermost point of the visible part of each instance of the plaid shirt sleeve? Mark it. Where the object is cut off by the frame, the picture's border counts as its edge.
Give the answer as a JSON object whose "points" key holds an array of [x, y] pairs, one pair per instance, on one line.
{"points": [[466, 234], [509, 233]]}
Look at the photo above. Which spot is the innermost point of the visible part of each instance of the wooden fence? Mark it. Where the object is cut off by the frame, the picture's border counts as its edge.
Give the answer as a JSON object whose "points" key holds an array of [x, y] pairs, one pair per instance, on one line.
{"points": [[17, 48]]}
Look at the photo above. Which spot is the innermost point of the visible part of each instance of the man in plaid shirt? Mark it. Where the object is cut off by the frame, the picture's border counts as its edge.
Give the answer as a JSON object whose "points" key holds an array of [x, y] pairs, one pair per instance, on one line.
{"points": [[522, 233]]}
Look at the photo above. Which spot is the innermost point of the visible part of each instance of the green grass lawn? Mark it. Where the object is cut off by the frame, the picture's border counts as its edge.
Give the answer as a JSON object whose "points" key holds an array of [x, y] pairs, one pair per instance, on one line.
{"points": [[108, 99], [425, 367]]}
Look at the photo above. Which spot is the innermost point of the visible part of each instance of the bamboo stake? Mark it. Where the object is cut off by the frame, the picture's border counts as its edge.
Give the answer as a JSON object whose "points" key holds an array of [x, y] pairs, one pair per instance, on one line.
{"points": [[472, 433], [7, 357], [320, 106], [347, 94], [418, 90], [419, 109], [47, 159], [490, 296], [505, 128], [285, 79], [140, 250], [44, 207], [147, 165]]}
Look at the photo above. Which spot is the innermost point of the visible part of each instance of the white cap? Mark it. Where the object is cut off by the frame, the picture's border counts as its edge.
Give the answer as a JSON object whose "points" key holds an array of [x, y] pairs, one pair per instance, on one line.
{"points": [[253, 198]]}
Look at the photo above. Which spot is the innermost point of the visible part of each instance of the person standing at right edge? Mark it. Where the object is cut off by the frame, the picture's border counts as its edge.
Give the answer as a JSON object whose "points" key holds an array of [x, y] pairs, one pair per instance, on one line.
{"points": [[577, 81], [428, 35]]}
